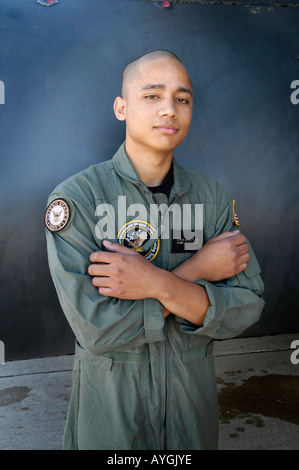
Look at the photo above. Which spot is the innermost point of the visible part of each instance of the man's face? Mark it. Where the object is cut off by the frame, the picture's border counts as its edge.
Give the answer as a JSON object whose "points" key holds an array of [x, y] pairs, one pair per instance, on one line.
{"points": [[157, 106]]}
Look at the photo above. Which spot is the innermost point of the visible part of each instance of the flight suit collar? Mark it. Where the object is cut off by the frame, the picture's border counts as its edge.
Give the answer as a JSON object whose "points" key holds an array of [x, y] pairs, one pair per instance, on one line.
{"points": [[123, 165], [125, 169]]}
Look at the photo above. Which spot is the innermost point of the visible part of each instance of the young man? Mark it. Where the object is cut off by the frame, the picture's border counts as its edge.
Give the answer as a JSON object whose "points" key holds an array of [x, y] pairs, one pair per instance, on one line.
{"points": [[145, 306]]}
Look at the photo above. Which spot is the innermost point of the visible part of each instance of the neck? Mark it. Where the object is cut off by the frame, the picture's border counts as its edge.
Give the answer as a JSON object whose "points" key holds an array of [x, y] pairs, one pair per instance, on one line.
{"points": [[151, 166]]}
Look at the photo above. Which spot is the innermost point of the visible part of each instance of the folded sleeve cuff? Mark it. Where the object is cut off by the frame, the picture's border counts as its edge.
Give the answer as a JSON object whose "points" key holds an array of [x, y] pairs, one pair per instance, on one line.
{"points": [[231, 312]]}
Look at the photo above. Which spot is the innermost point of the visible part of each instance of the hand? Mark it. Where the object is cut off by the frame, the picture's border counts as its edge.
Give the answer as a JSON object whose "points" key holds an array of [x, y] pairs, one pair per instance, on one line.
{"points": [[222, 257], [123, 273]]}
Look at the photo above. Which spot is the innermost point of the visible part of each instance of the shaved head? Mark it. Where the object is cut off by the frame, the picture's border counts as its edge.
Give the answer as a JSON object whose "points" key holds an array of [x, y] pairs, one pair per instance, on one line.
{"points": [[131, 70]]}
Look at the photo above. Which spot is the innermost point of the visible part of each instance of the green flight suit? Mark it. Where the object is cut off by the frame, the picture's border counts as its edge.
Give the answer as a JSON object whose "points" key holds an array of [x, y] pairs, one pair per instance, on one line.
{"points": [[141, 381]]}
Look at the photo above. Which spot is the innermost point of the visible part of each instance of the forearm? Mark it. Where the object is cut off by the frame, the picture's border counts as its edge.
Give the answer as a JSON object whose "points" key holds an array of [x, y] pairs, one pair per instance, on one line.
{"points": [[184, 271], [187, 271], [182, 297]]}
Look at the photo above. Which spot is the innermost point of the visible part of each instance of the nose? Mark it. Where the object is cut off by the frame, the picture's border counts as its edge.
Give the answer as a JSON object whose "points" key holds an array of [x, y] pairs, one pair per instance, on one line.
{"points": [[168, 108]]}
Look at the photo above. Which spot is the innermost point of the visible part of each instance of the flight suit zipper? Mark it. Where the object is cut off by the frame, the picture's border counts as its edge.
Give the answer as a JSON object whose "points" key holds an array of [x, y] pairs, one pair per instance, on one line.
{"points": [[165, 434], [164, 263]]}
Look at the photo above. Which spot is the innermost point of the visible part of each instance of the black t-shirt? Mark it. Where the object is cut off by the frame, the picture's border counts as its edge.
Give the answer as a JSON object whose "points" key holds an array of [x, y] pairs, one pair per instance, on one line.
{"points": [[166, 185]]}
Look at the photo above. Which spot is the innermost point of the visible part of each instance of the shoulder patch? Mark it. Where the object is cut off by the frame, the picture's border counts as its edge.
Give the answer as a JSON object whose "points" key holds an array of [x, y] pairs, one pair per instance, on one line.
{"points": [[57, 215], [235, 217]]}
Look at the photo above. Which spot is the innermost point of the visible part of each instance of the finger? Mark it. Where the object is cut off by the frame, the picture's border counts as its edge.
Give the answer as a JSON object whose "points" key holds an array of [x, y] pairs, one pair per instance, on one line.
{"points": [[244, 258], [101, 257], [238, 239], [105, 291], [241, 268], [242, 249], [117, 248], [98, 269], [101, 281], [243, 263]]}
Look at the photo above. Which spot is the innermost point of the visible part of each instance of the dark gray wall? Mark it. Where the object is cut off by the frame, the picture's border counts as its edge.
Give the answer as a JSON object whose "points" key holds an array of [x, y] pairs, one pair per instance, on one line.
{"points": [[61, 68]]}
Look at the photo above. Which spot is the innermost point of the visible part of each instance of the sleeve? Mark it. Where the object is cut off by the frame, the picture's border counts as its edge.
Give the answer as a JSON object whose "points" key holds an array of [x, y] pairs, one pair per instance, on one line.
{"points": [[100, 323], [235, 303]]}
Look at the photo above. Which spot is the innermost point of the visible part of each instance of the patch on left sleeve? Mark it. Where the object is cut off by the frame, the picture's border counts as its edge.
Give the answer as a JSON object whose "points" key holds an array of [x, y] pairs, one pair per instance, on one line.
{"points": [[235, 217]]}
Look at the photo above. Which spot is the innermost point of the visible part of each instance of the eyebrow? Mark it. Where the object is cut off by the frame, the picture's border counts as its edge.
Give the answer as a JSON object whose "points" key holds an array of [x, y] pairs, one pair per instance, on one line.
{"points": [[161, 86]]}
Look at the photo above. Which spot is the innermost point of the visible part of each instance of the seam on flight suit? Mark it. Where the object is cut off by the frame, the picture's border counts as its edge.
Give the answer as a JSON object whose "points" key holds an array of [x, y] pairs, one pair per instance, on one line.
{"points": [[197, 353]]}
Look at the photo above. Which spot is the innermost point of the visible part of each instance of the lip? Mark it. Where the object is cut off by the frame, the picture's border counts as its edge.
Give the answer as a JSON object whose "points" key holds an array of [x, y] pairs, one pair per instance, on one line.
{"points": [[167, 129]]}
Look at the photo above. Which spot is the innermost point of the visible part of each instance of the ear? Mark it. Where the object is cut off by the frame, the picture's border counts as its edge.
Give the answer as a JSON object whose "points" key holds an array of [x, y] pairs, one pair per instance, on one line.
{"points": [[119, 107]]}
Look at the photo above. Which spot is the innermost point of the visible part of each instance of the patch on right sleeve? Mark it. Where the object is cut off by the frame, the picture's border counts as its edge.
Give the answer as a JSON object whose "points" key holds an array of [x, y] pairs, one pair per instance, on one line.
{"points": [[57, 215]]}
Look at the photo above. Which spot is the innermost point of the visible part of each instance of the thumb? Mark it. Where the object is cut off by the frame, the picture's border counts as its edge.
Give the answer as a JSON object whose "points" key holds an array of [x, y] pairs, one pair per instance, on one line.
{"points": [[224, 235]]}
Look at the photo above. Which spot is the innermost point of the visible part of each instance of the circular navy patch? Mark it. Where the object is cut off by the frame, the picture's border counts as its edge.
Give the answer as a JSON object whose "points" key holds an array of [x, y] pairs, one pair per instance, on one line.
{"points": [[57, 215]]}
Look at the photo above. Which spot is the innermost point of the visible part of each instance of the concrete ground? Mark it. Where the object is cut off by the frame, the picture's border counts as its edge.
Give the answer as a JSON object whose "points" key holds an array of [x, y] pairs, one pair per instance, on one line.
{"points": [[258, 389], [258, 384]]}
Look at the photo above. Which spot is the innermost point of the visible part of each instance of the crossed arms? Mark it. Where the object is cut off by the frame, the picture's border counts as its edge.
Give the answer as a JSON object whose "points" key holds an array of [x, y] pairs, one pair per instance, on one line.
{"points": [[123, 273]]}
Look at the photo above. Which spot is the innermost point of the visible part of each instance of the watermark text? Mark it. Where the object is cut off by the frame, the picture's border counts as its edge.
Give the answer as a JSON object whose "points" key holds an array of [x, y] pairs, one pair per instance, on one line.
{"points": [[295, 354], [136, 223], [2, 353], [2, 92], [158, 459], [295, 94]]}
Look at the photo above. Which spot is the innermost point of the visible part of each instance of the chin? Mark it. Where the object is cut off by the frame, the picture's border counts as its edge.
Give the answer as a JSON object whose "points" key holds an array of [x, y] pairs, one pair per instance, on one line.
{"points": [[167, 142], [169, 146]]}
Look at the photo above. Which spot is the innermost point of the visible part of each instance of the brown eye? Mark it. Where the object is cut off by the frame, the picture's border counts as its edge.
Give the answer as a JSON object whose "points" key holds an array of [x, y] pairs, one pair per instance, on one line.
{"points": [[151, 97], [183, 100]]}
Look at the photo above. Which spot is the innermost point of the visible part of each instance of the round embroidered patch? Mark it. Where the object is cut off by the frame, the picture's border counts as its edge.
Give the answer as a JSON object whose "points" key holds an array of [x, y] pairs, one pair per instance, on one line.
{"points": [[135, 234], [57, 215]]}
